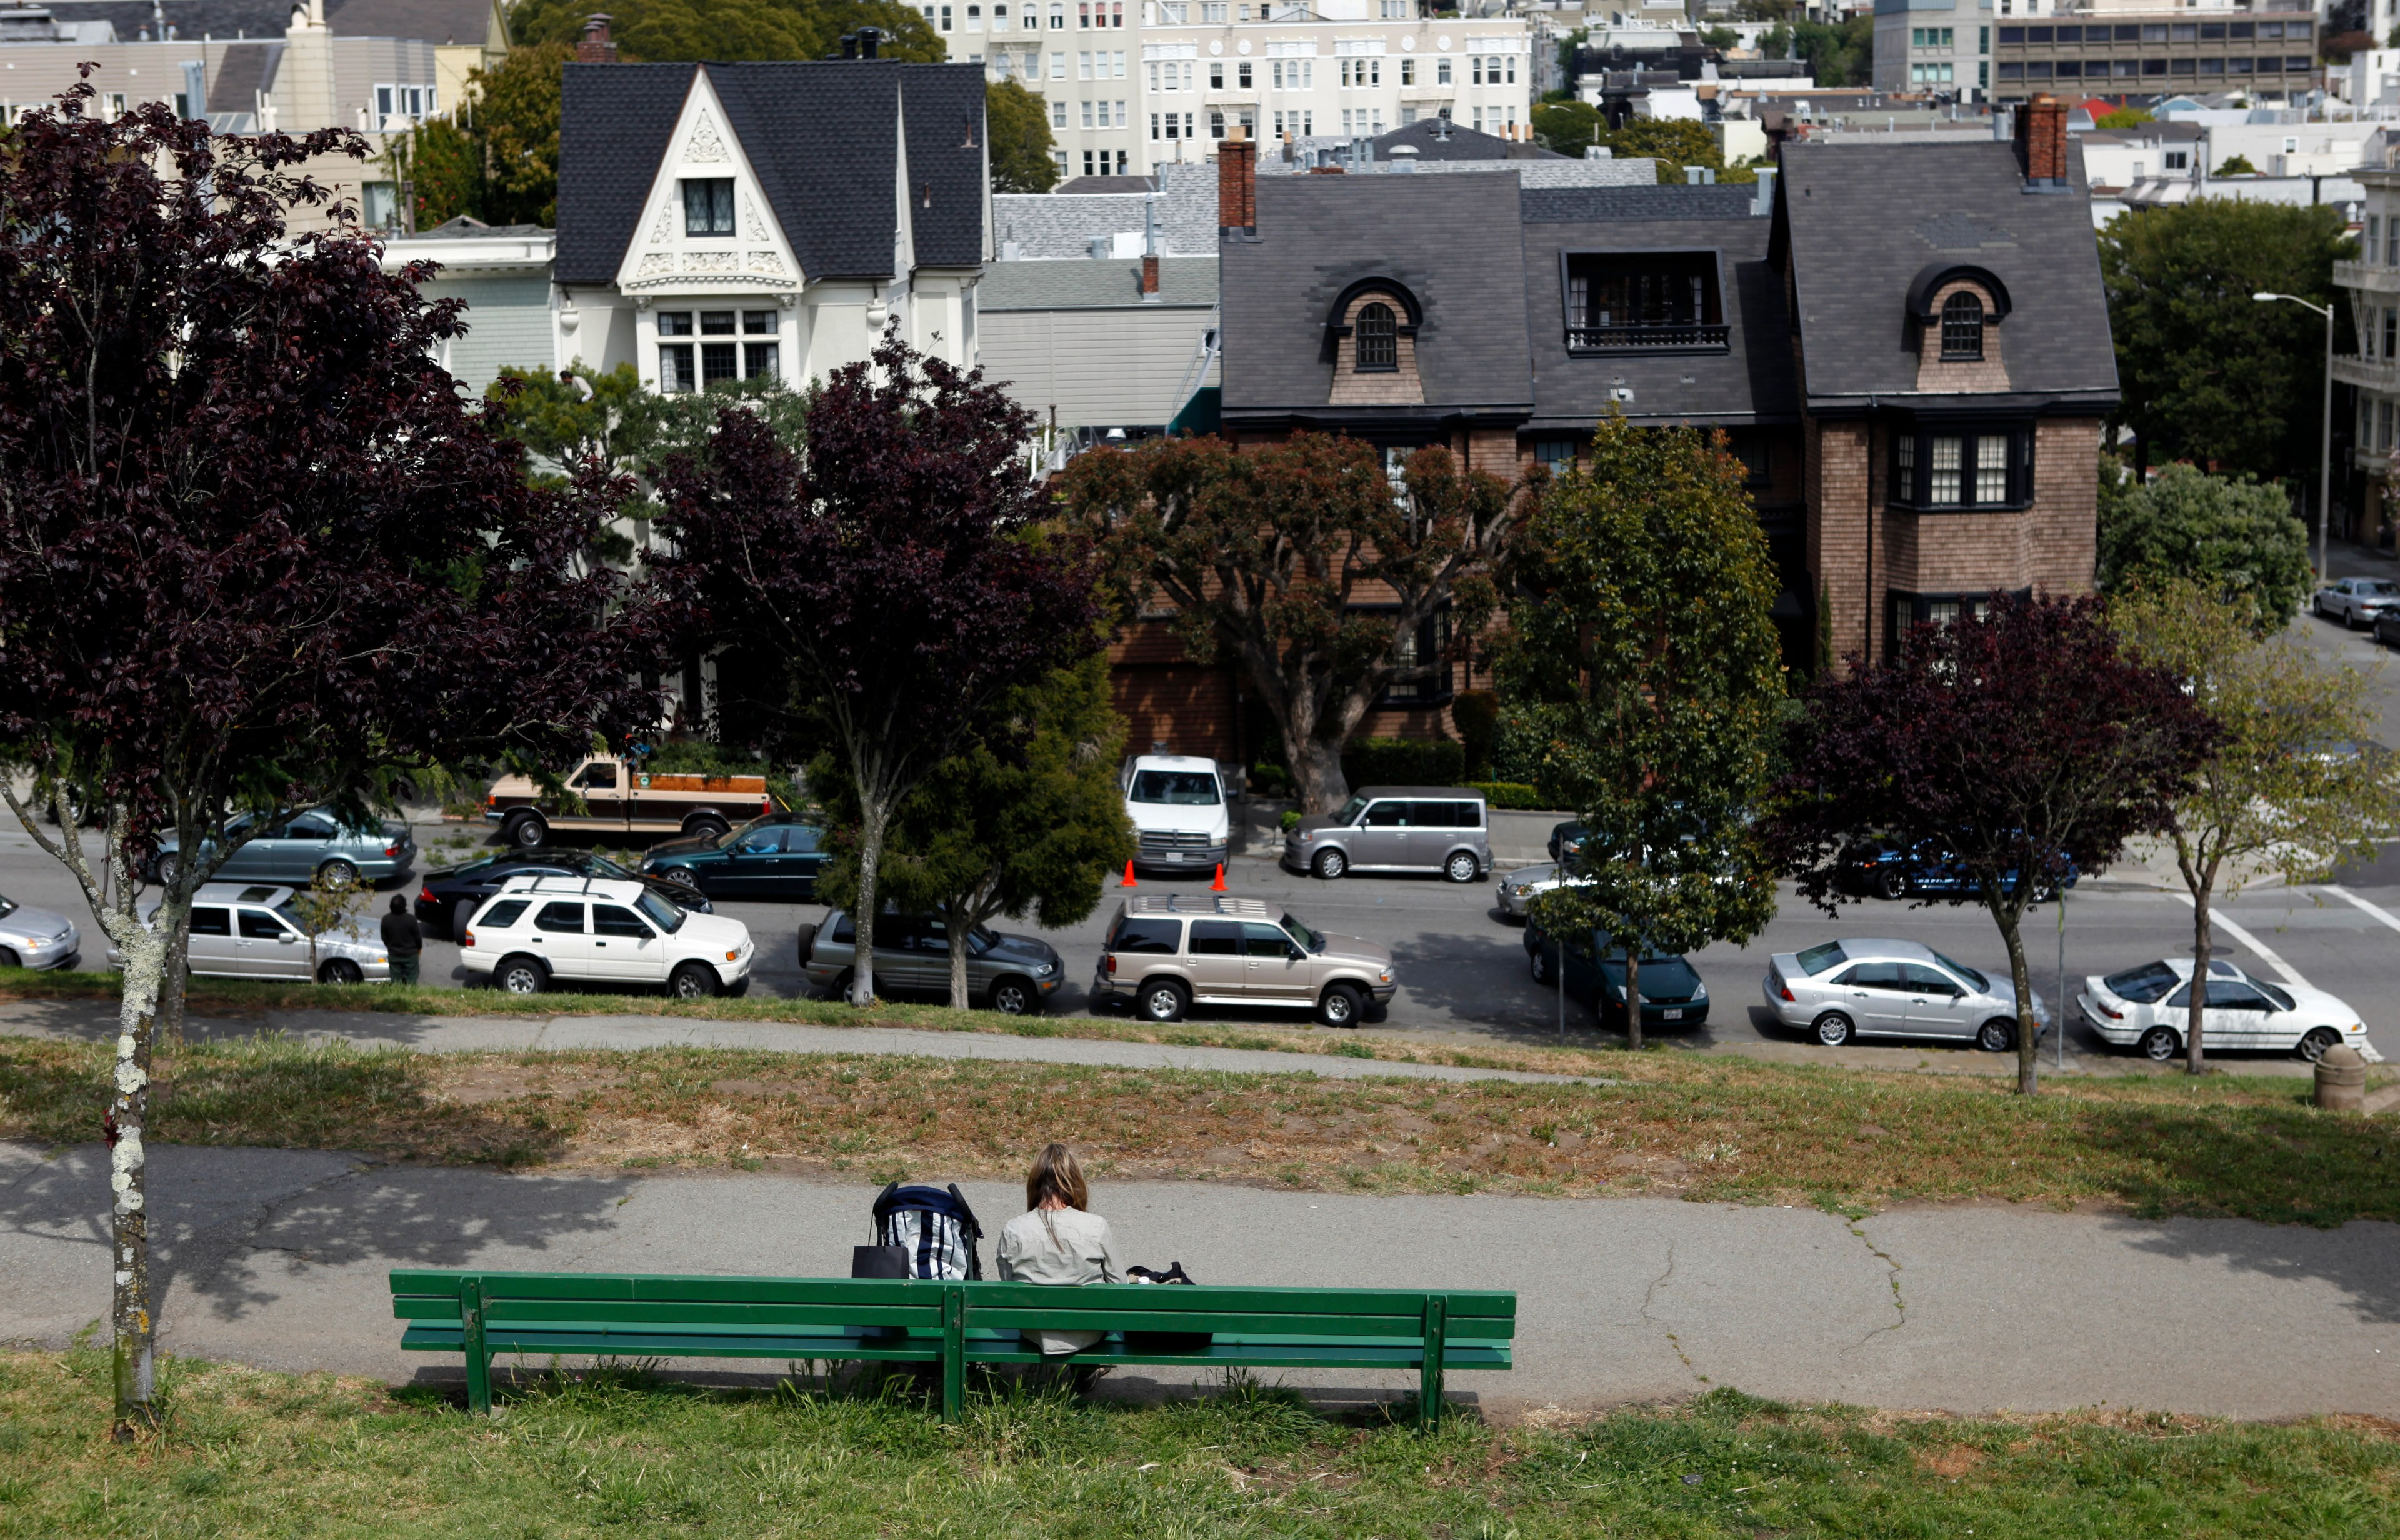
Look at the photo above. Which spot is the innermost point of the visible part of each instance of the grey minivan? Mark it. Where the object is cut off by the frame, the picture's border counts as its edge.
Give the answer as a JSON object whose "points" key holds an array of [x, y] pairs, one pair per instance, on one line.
{"points": [[1012, 973], [1396, 829]]}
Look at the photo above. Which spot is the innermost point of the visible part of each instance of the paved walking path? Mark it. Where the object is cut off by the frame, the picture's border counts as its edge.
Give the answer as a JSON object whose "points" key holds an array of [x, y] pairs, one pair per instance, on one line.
{"points": [[279, 1258]]}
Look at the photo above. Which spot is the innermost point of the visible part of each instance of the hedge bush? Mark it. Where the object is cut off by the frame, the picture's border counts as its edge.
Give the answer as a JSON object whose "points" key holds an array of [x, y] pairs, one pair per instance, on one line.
{"points": [[1514, 796], [1403, 762]]}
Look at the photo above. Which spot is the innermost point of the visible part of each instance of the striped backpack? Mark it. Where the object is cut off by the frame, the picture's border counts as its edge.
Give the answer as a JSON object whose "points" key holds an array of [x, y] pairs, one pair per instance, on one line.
{"points": [[934, 1231]]}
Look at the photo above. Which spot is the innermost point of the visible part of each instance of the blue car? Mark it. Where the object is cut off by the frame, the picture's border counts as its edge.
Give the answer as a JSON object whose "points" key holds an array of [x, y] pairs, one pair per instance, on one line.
{"points": [[1929, 868]]}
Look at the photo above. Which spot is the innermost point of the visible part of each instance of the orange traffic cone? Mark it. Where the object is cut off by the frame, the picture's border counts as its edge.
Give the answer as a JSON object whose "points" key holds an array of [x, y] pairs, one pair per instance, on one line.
{"points": [[1128, 881], [1219, 886]]}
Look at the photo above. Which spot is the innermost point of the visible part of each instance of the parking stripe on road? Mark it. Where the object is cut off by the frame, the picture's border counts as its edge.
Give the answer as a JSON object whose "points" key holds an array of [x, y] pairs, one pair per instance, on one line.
{"points": [[2375, 910]]}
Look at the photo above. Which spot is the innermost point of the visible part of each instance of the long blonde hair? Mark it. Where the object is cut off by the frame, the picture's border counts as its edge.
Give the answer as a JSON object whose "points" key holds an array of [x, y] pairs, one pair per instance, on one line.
{"points": [[1054, 1174]]}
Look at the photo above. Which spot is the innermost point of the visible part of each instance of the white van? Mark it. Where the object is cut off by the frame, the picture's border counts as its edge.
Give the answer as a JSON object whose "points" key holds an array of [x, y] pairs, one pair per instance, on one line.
{"points": [[1176, 804]]}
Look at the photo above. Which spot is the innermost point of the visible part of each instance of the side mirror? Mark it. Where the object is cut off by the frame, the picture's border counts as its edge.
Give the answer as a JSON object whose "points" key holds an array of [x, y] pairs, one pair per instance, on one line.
{"points": [[288, 939], [1292, 953]]}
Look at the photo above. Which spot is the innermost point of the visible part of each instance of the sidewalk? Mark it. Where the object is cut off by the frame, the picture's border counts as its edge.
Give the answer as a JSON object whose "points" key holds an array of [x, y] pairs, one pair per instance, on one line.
{"points": [[279, 1259]]}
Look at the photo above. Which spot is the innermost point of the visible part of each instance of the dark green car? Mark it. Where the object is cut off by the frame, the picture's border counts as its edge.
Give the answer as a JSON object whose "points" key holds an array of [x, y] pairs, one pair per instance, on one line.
{"points": [[776, 856], [1673, 995]]}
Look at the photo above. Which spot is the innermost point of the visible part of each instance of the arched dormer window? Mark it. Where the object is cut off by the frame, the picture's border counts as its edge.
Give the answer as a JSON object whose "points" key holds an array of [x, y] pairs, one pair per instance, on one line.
{"points": [[1377, 333], [1962, 325]]}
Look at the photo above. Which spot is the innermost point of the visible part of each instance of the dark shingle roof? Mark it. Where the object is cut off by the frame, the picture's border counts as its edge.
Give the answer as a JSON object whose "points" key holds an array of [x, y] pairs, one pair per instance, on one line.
{"points": [[1671, 200], [432, 21], [821, 136], [1438, 139], [1862, 222], [1454, 242]]}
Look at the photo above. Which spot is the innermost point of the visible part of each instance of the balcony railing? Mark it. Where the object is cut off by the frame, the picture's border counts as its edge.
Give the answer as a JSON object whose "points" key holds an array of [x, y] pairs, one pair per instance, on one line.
{"points": [[1647, 339]]}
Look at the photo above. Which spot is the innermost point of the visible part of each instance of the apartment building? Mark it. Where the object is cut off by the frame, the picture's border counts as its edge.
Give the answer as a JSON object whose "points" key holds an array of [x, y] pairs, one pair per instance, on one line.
{"points": [[1941, 47], [1132, 85], [2157, 51], [2373, 372]]}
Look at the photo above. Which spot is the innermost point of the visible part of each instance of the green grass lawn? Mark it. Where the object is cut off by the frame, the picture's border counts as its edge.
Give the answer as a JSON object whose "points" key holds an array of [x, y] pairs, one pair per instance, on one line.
{"points": [[242, 1452], [1720, 1129]]}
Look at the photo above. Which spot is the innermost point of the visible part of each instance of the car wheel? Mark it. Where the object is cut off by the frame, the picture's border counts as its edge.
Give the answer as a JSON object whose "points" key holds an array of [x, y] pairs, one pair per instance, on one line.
{"points": [[840, 990], [2160, 1044], [337, 874], [1997, 1036], [1329, 866], [808, 943], [526, 831], [1016, 997], [709, 828], [1833, 1029], [340, 970], [1460, 868], [9, 959], [693, 981], [2316, 605], [1542, 972], [1163, 1001], [462, 918], [682, 876], [1340, 1006], [1890, 884], [167, 867], [2348, 619], [522, 976], [2313, 1047]]}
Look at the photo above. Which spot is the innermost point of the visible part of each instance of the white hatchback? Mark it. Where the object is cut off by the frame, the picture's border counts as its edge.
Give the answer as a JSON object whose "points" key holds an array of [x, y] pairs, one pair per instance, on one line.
{"points": [[537, 931], [2150, 1007]]}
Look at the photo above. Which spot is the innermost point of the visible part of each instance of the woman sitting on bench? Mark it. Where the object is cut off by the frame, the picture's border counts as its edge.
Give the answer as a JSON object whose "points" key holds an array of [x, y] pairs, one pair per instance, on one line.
{"points": [[1056, 1241]]}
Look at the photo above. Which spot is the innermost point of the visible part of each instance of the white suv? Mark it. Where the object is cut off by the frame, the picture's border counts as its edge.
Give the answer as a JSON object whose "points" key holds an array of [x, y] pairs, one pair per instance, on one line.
{"points": [[540, 929], [1177, 805]]}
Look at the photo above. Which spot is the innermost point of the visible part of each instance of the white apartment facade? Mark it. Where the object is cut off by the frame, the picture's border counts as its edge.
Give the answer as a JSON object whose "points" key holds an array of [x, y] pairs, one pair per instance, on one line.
{"points": [[1133, 84], [2373, 284]]}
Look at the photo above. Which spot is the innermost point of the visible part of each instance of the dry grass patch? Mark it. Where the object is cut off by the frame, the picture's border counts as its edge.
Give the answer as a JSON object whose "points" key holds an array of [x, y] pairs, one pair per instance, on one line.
{"points": [[1725, 1129]]}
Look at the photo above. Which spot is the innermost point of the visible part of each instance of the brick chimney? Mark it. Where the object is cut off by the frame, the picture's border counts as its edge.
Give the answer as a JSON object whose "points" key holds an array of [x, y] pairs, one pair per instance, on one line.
{"points": [[1150, 275], [1237, 185], [2041, 143], [595, 49]]}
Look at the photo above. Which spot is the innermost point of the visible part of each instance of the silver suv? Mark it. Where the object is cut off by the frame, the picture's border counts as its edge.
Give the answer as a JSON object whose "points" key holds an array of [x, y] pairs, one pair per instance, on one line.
{"points": [[1396, 829], [1167, 954]]}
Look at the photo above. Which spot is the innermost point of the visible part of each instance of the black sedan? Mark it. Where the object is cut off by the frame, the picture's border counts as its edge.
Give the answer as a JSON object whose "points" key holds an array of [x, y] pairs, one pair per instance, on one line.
{"points": [[1673, 995], [776, 856], [451, 894]]}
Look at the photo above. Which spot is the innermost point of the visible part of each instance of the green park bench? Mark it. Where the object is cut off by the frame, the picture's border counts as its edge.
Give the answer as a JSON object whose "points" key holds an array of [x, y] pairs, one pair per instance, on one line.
{"points": [[639, 1315]]}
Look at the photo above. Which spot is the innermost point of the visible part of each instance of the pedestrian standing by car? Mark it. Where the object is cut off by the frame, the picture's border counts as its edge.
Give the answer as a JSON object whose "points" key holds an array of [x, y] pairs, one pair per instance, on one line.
{"points": [[401, 941]]}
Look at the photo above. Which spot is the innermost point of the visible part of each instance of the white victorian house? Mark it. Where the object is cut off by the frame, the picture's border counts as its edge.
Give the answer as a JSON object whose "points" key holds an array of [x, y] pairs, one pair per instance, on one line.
{"points": [[720, 222]]}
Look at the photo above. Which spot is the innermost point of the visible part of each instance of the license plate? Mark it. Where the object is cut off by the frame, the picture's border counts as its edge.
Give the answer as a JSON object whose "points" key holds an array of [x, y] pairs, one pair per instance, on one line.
{"points": [[1674, 1016], [1174, 855]]}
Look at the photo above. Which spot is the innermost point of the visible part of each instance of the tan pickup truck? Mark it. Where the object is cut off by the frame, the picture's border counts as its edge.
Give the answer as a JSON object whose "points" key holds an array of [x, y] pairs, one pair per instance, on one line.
{"points": [[622, 798]]}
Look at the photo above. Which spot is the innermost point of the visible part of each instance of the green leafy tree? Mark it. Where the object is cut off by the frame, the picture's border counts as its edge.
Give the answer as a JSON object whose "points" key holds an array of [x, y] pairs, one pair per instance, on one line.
{"points": [[2209, 375], [2123, 118], [1019, 125], [1721, 37], [1838, 53], [329, 903], [1027, 822], [1568, 127], [1644, 634], [1675, 142], [2228, 534], [2277, 796], [441, 167], [497, 159], [734, 31], [2237, 165], [1268, 554]]}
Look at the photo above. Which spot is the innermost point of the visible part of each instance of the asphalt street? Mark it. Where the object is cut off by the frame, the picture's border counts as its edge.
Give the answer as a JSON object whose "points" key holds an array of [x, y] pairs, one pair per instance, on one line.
{"points": [[280, 1258], [1463, 972]]}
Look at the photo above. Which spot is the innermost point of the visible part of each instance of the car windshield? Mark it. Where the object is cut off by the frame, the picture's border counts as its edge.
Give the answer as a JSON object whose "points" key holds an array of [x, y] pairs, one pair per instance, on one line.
{"points": [[1662, 975], [2379, 588], [1817, 958], [8, 906], [1308, 939], [1982, 985], [603, 867], [727, 841], [1180, 788], [2283, 1001], [2143, 986], [1349, 812], [658, 912]]}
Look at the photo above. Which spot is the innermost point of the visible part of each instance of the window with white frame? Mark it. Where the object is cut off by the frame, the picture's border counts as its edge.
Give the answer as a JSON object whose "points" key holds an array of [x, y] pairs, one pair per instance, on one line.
{"points": [[1407, 72], [414, 102], [678, 373], [1213, 13], [1361, 74], [1057, 17], [1242, 75], [974, 18], [1395, 11], [1442, 72], [1058, 65], [1059, 115], [761, 361], [708, 206], [1000, 18], [1941, 467]]}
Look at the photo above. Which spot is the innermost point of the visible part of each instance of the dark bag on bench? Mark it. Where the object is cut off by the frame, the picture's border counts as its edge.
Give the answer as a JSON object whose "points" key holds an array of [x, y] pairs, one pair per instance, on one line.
{"points": [[1165, 1342], [878, 1262]]}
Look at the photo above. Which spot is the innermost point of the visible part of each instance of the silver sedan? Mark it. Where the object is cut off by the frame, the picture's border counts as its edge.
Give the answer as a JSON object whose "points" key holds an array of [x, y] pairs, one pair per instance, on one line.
{"points": [[1869, 988], [1518, 889], [36, 938]]}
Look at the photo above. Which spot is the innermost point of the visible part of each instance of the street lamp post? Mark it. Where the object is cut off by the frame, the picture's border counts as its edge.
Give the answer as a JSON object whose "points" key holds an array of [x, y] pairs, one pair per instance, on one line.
{"points": [[2324, 463]]}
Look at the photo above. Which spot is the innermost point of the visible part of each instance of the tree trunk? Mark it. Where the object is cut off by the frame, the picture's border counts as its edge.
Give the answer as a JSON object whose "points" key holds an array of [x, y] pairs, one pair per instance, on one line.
{"points": [[145, 951], [1632, 996], [2028, 1059], [875, 818], [1317, 772], [959, 904], [2195, 1060]]}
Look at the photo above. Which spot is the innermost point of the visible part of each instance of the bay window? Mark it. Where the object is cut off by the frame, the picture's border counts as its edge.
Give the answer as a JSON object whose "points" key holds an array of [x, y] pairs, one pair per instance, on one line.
{"points": [[1947, 465]]}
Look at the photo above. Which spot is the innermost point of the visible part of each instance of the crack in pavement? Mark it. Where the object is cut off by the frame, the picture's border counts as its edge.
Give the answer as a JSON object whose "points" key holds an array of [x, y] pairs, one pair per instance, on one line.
{"points": [[1899, 1300], [235, 1241], [1672, 1341]]}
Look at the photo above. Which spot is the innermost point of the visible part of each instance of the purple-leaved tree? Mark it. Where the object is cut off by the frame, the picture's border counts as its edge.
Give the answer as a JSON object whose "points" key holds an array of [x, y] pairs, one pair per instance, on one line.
{"points": [[902, 567], [2021, 740], [254, 548]]}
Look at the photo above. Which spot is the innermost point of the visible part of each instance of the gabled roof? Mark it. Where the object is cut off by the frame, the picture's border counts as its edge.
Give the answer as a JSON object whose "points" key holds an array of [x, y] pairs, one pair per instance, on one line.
{"points": [[1439, 139], [1454, 243], [824, 138], [1861, 222], [430, 20]]}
